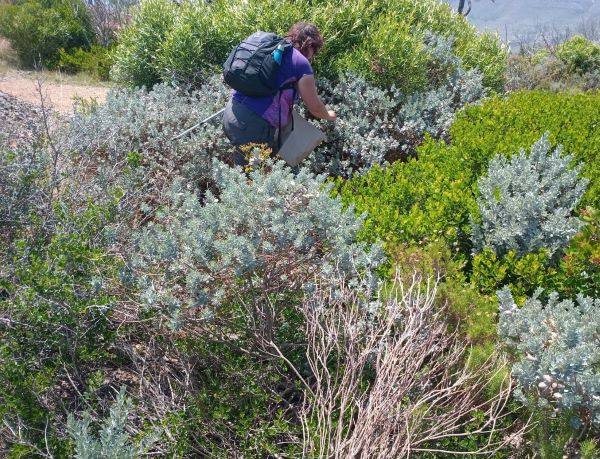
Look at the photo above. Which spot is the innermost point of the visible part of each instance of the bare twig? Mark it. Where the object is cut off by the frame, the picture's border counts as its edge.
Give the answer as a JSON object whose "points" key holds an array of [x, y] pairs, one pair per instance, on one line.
{"points": [[389, 380]]}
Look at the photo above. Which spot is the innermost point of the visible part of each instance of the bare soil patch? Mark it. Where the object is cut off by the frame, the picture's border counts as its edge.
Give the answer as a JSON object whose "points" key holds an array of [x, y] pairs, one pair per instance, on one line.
{"points": [[59, 90], [58, 96]]}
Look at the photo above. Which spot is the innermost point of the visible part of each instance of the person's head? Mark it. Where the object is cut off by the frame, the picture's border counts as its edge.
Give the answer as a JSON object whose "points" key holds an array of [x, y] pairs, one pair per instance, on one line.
{"points": [[306, 38]]}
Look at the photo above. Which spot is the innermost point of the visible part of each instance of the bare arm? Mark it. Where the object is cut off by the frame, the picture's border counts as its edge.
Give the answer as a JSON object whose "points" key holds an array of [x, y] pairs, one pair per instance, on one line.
{"points": [[308, 91]]}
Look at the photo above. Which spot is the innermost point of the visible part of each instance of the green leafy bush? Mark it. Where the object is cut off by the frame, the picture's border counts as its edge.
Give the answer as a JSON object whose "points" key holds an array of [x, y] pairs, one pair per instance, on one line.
{"points": [[384, 41], [506, 125], [199, 40], [576, 272], [139, 44], [422, 200], [56, 320], [580, 54], [37, 29], [523, 274], [433, 196], [56, 294], [97, 61], [241, 406], [471, 312], [579, 268]]}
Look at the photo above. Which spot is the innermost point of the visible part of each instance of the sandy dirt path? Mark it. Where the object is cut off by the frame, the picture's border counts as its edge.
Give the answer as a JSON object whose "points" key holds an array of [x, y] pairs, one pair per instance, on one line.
{"points": [[58, 95], [58, 89]]}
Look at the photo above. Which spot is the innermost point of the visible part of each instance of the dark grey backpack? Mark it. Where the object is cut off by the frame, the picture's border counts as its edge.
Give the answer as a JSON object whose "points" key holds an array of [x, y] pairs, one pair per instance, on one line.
{"points": [[253, 65]]}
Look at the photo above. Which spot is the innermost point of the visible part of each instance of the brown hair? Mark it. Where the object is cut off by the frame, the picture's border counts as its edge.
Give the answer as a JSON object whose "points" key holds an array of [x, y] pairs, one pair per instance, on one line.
{"points": [[304, 36]]}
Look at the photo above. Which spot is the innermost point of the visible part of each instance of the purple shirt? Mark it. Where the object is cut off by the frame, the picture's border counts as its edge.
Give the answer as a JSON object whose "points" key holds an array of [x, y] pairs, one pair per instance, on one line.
{"points": [[293, 67]]}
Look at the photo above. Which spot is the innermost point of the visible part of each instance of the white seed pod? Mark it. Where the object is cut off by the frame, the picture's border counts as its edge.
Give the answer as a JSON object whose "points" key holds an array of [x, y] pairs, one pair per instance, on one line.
{"points": [[554, 385], [557, 395], [542, 385]]}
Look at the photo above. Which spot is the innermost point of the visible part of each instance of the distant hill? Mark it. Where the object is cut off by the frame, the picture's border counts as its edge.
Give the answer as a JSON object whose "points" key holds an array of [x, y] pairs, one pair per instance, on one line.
{"points": [[518, 18]]}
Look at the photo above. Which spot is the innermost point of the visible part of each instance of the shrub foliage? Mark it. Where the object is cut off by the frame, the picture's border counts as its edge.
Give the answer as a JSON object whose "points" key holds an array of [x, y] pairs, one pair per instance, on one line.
{"points": [[526, 203], [265, 236], [557, 353], [579, 54], [37, 30], [376, 127], [384, 41], [252, 313]]}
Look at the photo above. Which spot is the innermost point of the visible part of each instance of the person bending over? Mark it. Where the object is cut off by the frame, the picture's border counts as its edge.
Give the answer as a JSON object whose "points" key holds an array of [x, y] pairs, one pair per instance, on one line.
{"points": [[256, 119]]}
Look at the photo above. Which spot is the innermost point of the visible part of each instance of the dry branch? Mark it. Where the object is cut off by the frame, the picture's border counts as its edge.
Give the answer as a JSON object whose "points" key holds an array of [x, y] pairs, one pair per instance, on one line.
{"points": [[388, 379]]}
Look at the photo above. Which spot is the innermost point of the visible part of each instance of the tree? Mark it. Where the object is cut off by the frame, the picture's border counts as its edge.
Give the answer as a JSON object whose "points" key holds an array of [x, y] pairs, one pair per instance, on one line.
{"points": [[461, 7]]}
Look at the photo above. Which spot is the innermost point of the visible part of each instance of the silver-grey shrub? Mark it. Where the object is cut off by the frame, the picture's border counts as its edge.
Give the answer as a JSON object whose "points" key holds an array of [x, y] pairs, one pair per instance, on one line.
{"points": [[113, 442], [377, 126], [374, 126], [432, 112], [128, 142], [364, 131], [146, 122], [526, 202], [558, 352], [270, 233]]}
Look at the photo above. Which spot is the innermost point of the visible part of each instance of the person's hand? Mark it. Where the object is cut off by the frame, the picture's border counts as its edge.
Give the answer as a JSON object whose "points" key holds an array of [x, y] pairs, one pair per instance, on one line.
{"points": [[332, 116]]}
